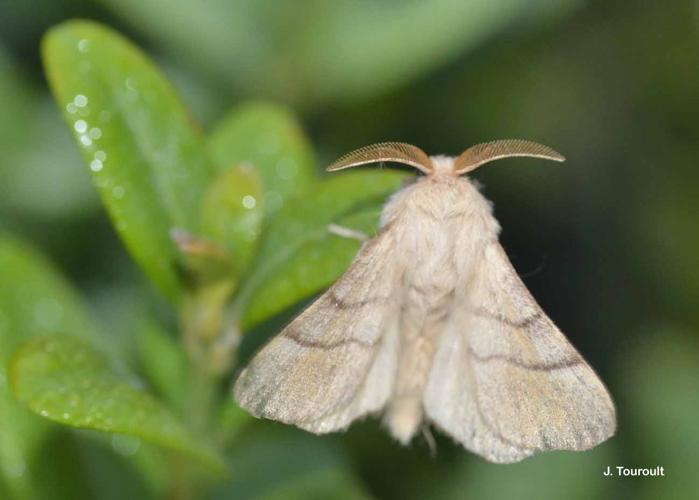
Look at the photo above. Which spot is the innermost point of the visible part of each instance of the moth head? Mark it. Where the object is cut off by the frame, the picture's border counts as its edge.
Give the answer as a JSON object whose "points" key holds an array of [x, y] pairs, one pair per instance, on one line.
{"points": [[472, 158]]}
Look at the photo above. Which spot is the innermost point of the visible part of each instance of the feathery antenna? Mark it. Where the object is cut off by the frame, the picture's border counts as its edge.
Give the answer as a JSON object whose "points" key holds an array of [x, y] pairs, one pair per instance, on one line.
{"points": [[477, 155], [398, 152]]}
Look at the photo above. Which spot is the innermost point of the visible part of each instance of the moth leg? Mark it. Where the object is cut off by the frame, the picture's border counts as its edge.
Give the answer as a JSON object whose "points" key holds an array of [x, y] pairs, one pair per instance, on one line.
{"points": [[429, 439], [347, 232]]}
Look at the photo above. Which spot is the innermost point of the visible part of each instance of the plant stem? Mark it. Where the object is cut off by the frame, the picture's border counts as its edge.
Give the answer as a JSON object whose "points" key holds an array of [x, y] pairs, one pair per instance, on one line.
{"points": [[202, 395], [181, 487], [201, 325]]}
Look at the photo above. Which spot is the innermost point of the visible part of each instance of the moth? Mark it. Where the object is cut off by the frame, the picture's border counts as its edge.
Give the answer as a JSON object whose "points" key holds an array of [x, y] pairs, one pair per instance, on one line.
{"points": [[432, 325]]}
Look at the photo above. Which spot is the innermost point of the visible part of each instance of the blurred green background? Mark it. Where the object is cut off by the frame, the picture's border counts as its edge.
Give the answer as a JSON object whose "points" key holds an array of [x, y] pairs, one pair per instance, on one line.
{"points": [[608, 242]]}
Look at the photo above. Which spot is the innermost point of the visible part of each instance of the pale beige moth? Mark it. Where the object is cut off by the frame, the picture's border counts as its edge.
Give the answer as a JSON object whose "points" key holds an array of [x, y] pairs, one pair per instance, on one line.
{"points": [[432, 325]]}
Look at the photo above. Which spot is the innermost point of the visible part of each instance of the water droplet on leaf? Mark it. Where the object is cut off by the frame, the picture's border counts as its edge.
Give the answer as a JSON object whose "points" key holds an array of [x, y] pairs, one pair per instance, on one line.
{"points": [[80, 100], [125, 445], [80, 126], [249, 202]]}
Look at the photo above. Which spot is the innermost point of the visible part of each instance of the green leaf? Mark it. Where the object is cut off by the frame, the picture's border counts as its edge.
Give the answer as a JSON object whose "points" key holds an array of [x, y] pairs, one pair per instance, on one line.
{"points": [[164, 364], [310, 51], [117, 466], [276, 462], [15, 99], [21, 434], [309, 267], [146, 157], [269, 138], [551, 475], [299, 256], [232, 212], [67, 381], [34, 300], [663, 408], [232, 420], [376, 55], [32, 136]]}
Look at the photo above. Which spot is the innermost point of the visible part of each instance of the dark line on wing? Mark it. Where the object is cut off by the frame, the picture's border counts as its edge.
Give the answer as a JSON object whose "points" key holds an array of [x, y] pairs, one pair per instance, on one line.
{"points": [[559, 365], [314, 344], [523, 324]]}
